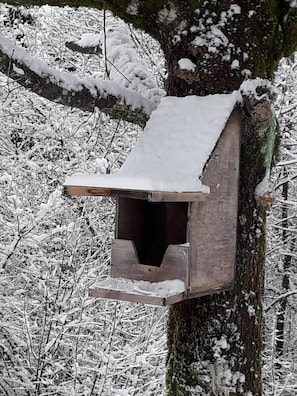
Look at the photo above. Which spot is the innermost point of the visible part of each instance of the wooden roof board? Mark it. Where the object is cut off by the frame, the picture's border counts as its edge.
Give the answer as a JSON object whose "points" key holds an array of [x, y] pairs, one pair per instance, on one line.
{"points": [[151, 196], [171, 154]]}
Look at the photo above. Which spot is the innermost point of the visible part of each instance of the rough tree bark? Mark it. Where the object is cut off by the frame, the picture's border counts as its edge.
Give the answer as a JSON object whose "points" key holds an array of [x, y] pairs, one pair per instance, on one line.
{"points": [[215, 342]]}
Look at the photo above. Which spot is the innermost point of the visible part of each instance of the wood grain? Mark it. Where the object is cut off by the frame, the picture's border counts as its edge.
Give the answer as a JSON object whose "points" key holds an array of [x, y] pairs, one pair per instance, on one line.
{"points": [[132, 297], [125, 264], [151, 196], [213, 224]]}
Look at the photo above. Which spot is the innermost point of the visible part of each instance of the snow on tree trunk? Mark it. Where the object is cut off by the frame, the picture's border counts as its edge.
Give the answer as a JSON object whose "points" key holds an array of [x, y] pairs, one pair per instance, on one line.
{"points": [[215, 342]]}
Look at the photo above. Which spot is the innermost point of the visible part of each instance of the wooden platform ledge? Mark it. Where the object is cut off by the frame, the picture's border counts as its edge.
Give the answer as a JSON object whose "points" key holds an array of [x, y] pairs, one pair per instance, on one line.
{"points": [[156, 293]]}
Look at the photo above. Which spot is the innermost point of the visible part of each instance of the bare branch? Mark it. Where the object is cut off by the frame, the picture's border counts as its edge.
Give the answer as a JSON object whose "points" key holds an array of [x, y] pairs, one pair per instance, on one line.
{"points": [[74, 46], [64, 88], [280, 298]]}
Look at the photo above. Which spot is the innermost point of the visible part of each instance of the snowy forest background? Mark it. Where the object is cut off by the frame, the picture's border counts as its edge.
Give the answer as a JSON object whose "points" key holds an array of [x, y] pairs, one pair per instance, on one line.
{"points": [[54, 339]]}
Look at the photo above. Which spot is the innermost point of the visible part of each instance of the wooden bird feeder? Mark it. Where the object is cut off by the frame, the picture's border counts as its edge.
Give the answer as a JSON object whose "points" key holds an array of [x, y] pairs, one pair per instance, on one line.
{"points": [[177, 199]]}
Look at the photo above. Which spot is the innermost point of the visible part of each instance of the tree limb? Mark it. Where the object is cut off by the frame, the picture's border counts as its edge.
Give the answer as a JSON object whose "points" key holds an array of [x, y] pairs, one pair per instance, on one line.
{"points": [[63, 88], [144, 14], [89, 43], [122, 61], [74, 46], [280, 298]]}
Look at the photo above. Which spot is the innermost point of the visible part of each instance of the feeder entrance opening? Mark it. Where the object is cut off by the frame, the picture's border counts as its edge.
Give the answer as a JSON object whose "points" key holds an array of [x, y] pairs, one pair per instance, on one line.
{"points": [[152, 226]]}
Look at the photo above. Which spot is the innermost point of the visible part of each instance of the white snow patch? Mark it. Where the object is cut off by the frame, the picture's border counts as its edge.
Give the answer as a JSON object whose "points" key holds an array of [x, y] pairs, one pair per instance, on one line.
{"points": [[245, 56], [246, 73], [176, 39], [54, 201], [219, 345], [249, 87], [235, 9], [124, 65], [174, 148], [238, 377], [132, 8], [157, 289], [292, 3], [263, 188], [89, 40], [223, 380], [167, 14], [186, 64], [18, 70], [120, 393], [101, 165], [235, 64], [251, 311], [212, 35]]}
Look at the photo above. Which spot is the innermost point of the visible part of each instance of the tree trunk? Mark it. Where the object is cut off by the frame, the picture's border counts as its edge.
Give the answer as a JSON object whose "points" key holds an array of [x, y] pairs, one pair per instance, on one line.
{"points": [[215, 342]]}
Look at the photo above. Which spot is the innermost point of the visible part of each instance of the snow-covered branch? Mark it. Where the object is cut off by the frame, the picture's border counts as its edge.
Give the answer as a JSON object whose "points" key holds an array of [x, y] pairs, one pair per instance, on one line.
{"points": [[88, 44], [64, 88], [280, 298], [122, 61], [124, 65]]}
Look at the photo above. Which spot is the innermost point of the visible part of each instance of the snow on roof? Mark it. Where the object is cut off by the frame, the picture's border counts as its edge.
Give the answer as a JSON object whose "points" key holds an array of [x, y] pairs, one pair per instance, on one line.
{"points": [[173, 149]]}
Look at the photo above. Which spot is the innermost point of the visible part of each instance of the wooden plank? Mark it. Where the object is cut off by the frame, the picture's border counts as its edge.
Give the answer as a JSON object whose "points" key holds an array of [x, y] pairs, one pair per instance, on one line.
{"points": [[104, 192], [125, 264], [139, 291], [161, 196], [152, 226], [152, 196], [138, 298], [125, 296], [213, 224], [209, 291]]}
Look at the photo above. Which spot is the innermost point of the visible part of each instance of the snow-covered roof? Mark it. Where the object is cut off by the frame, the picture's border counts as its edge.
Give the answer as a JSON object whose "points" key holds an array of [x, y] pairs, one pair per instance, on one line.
{"points": [[175, 146]]}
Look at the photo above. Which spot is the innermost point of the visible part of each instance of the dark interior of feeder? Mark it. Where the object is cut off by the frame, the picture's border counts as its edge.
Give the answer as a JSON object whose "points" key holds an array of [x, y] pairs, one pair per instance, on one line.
{"points": [[152, 226]]}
